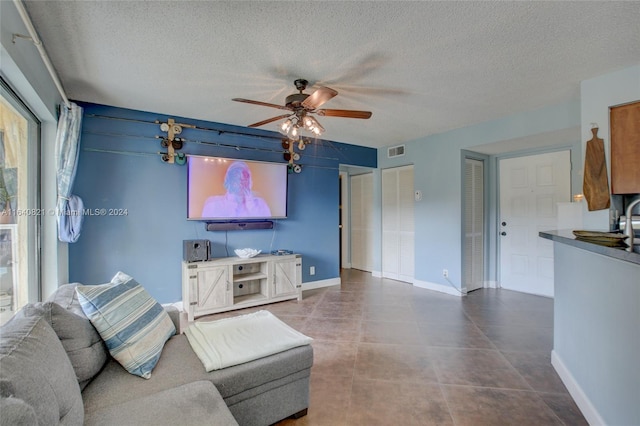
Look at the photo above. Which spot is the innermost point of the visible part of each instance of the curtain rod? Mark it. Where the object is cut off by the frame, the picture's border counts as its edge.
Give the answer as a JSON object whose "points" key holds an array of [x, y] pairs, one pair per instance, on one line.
{"points": [[43, 53]]}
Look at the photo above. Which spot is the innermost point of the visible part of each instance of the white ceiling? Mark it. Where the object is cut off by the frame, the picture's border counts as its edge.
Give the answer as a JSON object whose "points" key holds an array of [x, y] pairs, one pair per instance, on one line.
{"points": [[420, 67]]}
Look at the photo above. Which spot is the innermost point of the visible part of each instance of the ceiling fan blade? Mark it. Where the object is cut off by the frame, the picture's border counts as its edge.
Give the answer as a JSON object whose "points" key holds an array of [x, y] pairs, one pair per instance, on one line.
{"points": [[269, 120], [317, 98], [347, 113], [249, 101]]}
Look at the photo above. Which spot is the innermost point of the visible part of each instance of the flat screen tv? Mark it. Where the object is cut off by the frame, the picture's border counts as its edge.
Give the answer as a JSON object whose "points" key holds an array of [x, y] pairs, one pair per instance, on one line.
{"points": [[224, 189]]}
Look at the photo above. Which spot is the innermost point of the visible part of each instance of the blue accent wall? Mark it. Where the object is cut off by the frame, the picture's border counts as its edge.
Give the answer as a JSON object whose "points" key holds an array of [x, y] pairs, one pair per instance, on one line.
{"points": [[120, 168]]}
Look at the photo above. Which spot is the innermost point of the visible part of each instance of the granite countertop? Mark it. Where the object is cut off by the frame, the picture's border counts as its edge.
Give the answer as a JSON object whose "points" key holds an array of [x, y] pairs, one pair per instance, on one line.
{"points": [[565, 236]]}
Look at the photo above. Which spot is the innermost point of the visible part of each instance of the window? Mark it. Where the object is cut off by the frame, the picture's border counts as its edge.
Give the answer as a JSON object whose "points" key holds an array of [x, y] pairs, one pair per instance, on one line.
{"points": [[20, 212]]}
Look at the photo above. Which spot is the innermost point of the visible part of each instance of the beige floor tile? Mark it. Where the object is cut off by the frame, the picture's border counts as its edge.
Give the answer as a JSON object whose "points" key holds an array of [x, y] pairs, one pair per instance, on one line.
{"points": [[340, 329], [391, 332], [384, 403], [476, 367], [334, 358], [473, 406], [326, 309], [459, 335], [400, 363]]}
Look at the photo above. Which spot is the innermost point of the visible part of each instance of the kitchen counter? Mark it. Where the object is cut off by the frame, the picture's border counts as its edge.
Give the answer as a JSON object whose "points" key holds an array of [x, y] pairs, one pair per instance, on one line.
{"points": [[566, 236], [596, 327]]}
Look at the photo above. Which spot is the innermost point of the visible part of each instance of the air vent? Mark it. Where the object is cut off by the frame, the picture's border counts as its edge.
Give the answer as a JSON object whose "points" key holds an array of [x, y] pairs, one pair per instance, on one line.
{"points": [[396, 151]]}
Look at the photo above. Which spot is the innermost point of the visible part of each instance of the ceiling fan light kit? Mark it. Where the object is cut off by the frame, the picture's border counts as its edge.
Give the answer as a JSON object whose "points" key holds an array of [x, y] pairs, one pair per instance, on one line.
{"points": [[291, 126], [302, 106]]}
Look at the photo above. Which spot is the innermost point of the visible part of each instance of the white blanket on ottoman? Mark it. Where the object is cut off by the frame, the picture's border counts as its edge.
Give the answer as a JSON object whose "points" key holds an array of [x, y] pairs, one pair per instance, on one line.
{"points": [[231, 341]]}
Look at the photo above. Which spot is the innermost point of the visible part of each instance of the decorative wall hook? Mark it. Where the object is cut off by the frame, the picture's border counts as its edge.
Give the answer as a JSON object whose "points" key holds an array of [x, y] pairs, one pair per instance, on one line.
{"points": [[15, 36], [171, 142]]}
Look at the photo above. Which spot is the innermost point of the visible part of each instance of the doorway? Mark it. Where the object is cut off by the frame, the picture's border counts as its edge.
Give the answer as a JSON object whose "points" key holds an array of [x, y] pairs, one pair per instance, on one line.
{"points": [[362, 231], [530, 188]]}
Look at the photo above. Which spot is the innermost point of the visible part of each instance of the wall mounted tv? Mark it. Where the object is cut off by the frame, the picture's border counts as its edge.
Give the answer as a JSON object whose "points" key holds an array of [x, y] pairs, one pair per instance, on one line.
{"points": [[224, 189]]}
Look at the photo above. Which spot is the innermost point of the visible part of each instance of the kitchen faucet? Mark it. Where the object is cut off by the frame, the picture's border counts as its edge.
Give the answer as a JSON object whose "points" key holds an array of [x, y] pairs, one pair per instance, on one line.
{"points": [[628, 227]]}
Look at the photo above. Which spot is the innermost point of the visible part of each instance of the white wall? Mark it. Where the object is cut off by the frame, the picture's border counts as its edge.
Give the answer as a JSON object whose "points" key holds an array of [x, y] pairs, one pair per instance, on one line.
{"points": [[22, 67], [597, 95]]}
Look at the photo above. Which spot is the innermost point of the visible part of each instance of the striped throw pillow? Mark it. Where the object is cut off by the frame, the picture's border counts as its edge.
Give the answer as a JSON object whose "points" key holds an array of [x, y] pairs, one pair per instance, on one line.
{"points": [[133, 324]]}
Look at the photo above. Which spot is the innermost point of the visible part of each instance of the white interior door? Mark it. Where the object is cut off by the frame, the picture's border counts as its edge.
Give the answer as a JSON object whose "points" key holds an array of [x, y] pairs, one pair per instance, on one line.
{"points": [[398, 233], [473, 267], [345, 237], [530, 188], [362, 222]]}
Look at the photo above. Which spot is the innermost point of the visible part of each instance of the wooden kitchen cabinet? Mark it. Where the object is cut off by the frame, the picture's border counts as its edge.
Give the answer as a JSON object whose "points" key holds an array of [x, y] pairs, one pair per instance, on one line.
{"points": [[625, 148]]}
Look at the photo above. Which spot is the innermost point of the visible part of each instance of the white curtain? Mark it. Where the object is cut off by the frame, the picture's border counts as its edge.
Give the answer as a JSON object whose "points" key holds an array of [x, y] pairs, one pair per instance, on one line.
{"points": [[69, 207]]}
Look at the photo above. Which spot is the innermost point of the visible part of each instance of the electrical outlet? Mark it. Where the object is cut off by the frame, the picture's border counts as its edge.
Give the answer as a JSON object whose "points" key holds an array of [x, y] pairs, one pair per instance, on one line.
{"points": [[312, 270], [445, 273]]}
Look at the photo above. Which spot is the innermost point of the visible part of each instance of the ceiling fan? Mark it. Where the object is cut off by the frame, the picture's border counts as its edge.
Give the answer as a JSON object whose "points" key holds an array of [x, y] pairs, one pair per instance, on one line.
{"points": [[301, 106]]}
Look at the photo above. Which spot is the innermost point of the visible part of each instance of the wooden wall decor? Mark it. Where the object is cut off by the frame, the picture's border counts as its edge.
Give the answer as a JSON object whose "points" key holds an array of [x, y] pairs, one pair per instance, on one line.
{"points": [[596, 183]]}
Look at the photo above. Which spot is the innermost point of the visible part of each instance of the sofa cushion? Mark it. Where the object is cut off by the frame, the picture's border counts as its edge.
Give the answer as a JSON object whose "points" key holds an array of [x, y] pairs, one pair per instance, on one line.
{"points": [[132, 324], [86, 350], [180, 365], [16, 412], [193, 404], [66, 296], [34, 367]]}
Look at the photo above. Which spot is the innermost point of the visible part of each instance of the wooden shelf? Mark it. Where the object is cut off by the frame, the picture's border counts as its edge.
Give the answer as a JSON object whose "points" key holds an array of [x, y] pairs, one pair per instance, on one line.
{"points": [[248, 298], [249, 277]]}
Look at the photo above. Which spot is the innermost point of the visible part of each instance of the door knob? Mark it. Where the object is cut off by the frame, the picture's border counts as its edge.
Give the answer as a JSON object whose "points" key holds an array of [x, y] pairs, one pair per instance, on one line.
{"points": [[503, 233]]}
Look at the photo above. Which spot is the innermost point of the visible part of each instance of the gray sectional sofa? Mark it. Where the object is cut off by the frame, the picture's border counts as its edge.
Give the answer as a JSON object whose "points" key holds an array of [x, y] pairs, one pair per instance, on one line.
{"points": [[55, 369]]}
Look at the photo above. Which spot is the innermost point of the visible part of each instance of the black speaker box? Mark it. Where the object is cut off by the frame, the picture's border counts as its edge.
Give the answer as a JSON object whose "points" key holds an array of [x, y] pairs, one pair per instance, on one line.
{"points": [[196, 250], [238, 226]]}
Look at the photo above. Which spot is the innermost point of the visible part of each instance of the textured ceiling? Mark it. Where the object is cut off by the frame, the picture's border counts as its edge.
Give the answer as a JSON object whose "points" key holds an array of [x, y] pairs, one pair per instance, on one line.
{"points": [[420, 67]]}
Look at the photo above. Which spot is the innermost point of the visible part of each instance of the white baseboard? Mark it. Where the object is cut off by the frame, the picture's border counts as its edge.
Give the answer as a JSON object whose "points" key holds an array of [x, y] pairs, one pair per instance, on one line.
{"points": [[526, 291], [321, 283], [491, 284], [437, 287], [377, 274], [399, 277], [582, 401]]}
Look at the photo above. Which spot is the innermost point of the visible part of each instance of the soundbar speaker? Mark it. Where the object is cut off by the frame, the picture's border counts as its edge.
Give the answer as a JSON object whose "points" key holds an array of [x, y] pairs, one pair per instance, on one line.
{"points": [[238, 226], [196, 250]]}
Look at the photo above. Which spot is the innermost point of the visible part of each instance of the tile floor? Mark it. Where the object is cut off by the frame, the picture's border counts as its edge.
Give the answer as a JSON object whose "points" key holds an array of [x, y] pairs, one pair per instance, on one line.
{"points": [[387, 353]]}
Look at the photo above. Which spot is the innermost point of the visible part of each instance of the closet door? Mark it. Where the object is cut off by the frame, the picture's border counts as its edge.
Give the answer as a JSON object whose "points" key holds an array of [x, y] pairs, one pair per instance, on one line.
{"points": [[474, 225], [398, 235], [362, 222]]}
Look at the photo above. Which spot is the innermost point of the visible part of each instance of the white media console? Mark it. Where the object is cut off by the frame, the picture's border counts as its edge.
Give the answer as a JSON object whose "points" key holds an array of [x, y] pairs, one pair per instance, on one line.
{"points": [[229, 283]]}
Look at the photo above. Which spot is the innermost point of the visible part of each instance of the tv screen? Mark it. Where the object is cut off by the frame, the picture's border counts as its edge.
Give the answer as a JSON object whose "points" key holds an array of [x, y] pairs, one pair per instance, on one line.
{"points": [[223, 189]]}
